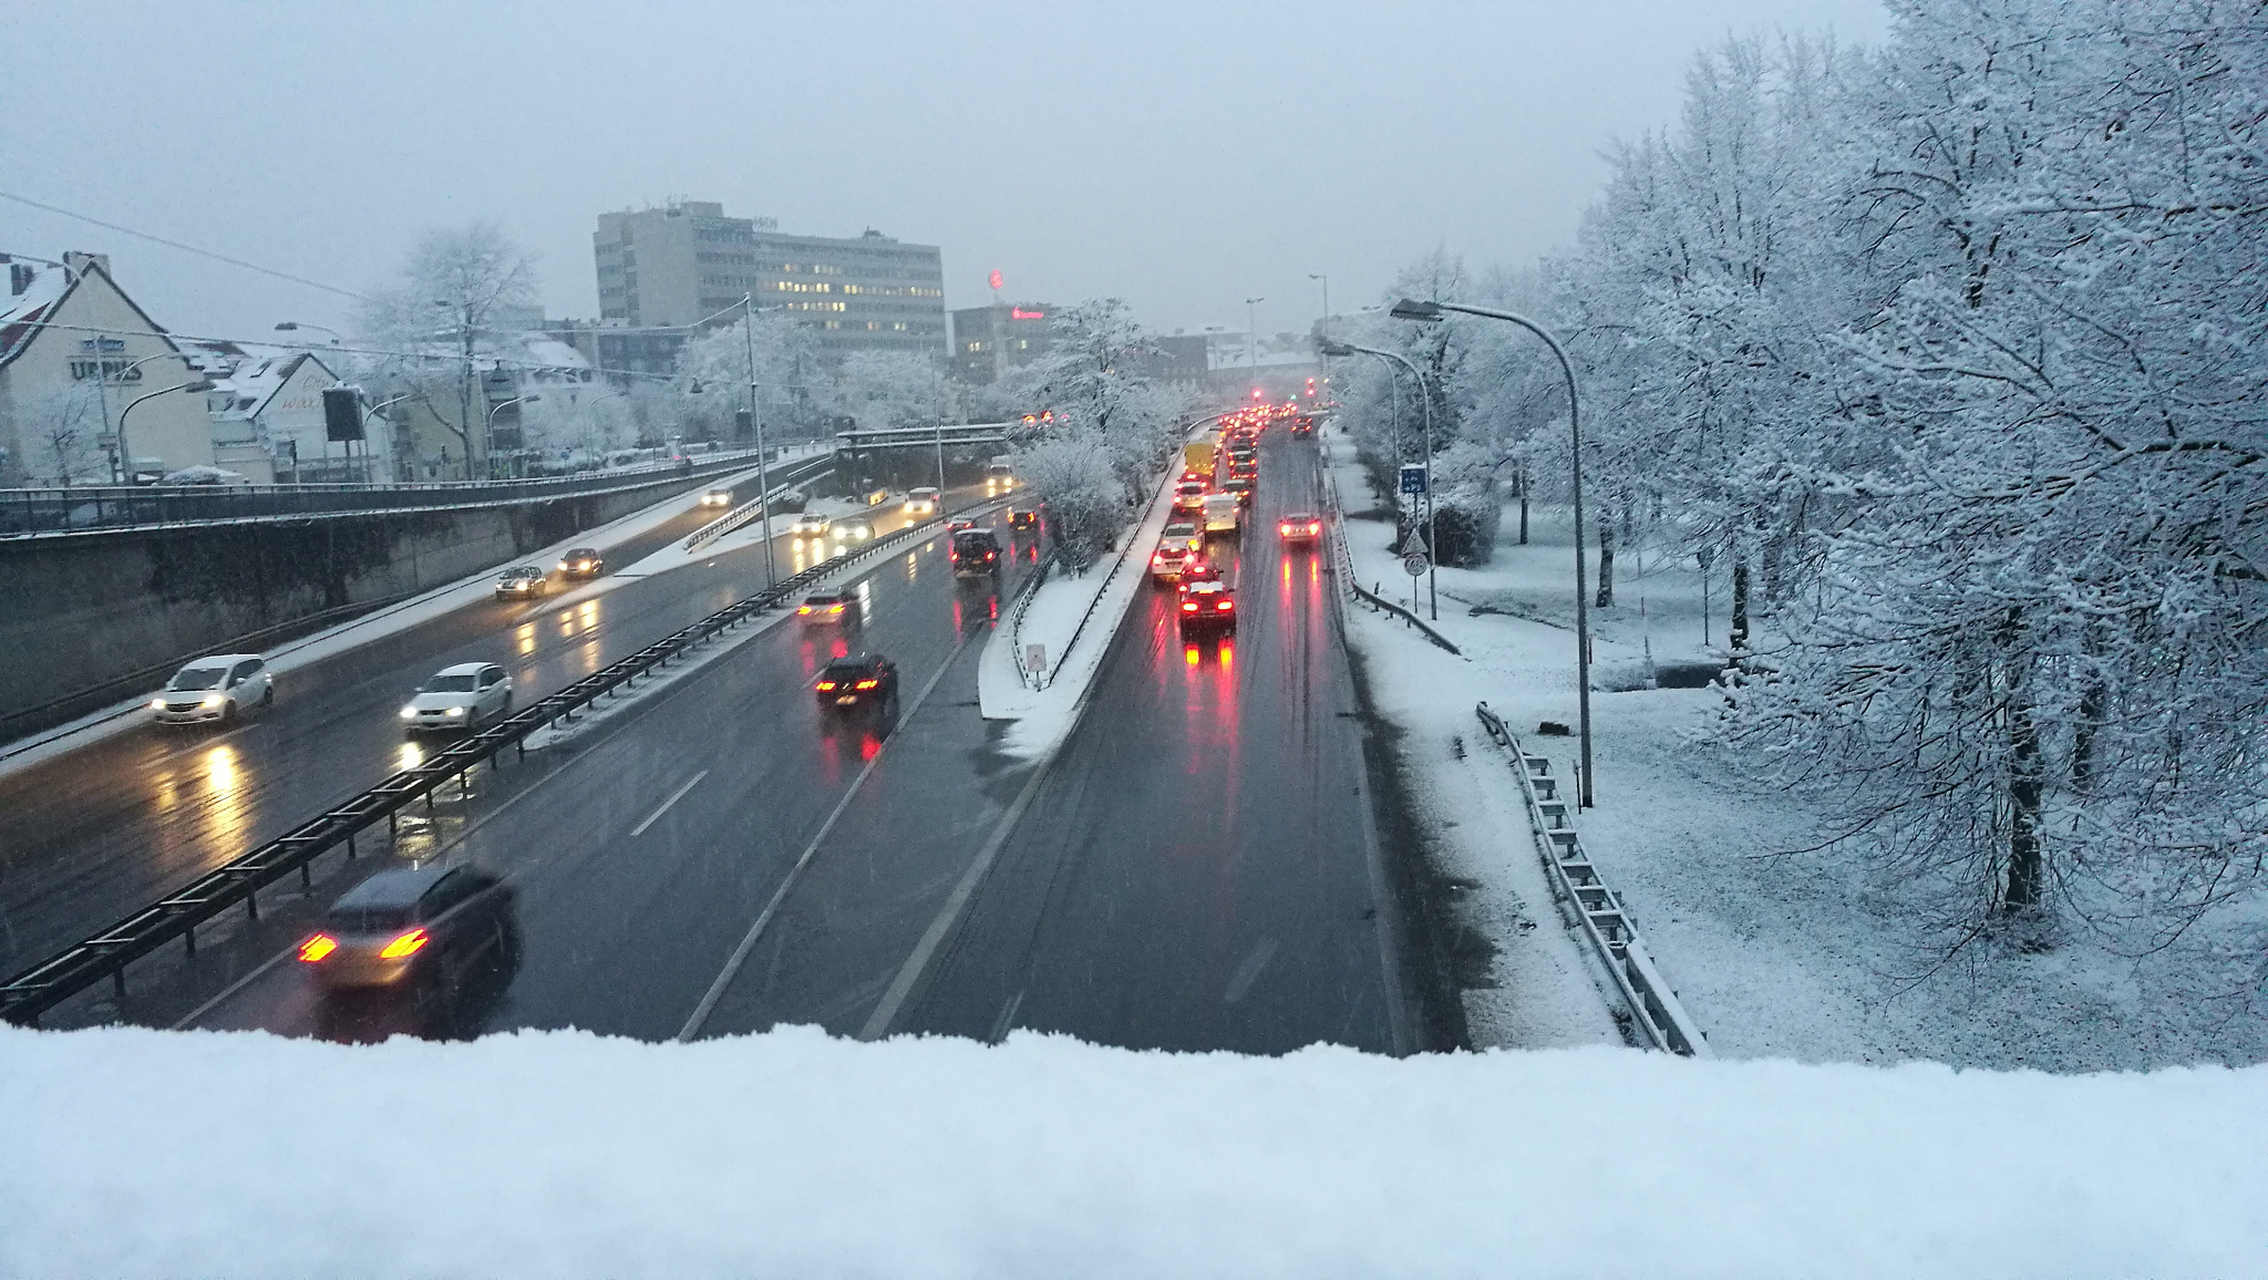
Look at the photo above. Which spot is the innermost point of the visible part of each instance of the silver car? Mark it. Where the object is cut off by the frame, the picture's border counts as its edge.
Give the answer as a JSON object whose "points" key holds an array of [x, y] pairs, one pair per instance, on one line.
{"points": [[214, 688], [459, 697]]}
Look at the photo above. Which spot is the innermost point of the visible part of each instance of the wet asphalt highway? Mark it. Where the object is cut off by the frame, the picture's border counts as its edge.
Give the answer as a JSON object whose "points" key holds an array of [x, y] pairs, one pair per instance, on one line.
{"points": [[93, 834], [1197, 870]]}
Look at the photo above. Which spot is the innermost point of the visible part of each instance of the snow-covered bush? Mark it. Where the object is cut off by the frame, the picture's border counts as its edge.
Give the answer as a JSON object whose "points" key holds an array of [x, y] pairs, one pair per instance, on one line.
{"points": [[1086, 501]]}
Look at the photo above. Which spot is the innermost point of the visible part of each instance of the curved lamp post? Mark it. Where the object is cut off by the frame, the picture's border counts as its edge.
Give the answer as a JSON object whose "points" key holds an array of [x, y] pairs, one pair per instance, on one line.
{"points": [[1425, 417], [127, 459], [1409, 309]]}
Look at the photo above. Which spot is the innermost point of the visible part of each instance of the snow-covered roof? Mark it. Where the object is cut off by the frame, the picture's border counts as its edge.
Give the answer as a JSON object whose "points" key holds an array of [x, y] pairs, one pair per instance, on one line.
{"points": [[542, 349], [20, 313], [257, 374]]}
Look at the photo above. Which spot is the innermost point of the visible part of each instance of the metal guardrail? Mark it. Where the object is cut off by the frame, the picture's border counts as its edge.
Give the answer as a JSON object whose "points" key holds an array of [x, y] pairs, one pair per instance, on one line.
{"points": [[27, 995], [56, 512], [1023, 605], [748, 510], [1603, 919]]}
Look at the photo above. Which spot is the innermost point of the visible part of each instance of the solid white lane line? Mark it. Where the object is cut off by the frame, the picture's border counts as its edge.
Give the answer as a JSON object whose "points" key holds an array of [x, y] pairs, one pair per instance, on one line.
{"points": [[739, 954], [674, 797], [190, 1019], [878, 1024]]}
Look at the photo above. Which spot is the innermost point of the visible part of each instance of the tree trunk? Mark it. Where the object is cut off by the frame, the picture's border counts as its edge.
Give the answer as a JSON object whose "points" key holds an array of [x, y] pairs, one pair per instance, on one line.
{"points": [[1520, 478], [1738, 639], [2025, 863], [2094, 700], [1606, 564]]}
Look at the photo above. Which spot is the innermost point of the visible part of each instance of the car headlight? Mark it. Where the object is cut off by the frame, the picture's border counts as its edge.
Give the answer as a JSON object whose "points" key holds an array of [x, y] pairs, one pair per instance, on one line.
{"points": [[157, 704], [454, 711], [211, 700], [409, 713]]}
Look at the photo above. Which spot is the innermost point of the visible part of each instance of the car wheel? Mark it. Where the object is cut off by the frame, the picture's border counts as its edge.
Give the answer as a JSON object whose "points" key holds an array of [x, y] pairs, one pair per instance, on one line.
{"points": [[507, 702], [228, 714], [268, 696]]}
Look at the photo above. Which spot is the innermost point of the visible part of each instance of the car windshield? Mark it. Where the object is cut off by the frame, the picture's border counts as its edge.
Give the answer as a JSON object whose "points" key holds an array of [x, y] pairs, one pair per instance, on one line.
{"points": [[1183, 530], [190, 678], [462, 683]]}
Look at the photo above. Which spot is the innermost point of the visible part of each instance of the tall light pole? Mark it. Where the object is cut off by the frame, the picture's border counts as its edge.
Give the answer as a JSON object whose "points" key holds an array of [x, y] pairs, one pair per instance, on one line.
{"points": [[1252, 333], [1425, 418], [488, 430], [124, 465], [201, 384], [1407, 309], [756, 420]]}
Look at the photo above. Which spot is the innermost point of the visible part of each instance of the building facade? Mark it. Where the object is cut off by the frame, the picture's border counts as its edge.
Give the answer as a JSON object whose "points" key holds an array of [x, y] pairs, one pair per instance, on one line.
{"points": [[989, 341], [79, 362], [266, 407], [685, 263]]}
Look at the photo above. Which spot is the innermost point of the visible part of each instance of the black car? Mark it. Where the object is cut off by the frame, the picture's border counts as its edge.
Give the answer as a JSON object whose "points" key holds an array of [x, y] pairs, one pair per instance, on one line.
{"points": [[974, 553], [1024, 519], [523, 582], [1207, 607], [582, 562], [857, 682], [410, 925]]}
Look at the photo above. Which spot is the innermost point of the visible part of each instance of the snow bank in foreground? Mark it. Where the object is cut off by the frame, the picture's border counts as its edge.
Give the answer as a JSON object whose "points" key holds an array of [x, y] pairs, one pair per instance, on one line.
{"points": [[136, 1152]]}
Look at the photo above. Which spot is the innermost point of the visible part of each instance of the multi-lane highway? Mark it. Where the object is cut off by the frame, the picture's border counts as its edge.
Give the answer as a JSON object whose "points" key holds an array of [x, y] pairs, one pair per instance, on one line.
{"points": [[88, 836], [1196, 868]]}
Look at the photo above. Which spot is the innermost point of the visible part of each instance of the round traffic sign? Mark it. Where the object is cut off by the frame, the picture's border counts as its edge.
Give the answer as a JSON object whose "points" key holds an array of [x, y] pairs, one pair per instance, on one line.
{"points": [[1415, 564]]}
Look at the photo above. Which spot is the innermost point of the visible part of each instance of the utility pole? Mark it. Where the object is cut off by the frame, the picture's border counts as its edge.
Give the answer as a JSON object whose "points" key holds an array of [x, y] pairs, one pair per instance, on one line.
{"points": [[1252, 334], [763, 474]]}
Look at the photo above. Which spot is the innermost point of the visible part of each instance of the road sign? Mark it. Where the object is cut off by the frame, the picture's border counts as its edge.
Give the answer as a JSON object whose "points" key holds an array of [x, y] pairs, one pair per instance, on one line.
{"points": [[1415, 564], [1035, 658], [1414, 479]]}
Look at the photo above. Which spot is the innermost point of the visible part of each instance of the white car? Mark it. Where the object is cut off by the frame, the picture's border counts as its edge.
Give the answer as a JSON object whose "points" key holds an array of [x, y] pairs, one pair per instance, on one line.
{"points": [[812, 525], [922, 502], [459, 697], [716, 497], [214, 688]]}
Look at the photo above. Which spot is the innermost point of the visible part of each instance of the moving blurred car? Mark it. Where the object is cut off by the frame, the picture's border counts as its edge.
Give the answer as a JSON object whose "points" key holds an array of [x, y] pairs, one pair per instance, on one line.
{"points": [[974, 553], [922, 502], [958, 523], [1198, 569], [583, 562], [214, 688], [522, 582], [1176, 545], [716, 497], [1207, 607], [860, 680], [459, 697], [854, 529], [1189, 495], [811, 525], [1024, 519], [410, 925], [1301, 529], [829, 607]]}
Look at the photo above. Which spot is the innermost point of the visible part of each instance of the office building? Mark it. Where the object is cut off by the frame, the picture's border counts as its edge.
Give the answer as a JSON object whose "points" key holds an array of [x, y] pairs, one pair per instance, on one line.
{"points": [[686, 263], [989, 341]]}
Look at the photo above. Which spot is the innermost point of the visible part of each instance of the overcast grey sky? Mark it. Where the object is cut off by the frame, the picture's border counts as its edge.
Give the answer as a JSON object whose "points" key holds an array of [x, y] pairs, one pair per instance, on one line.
{"points": [[1183, 156]]}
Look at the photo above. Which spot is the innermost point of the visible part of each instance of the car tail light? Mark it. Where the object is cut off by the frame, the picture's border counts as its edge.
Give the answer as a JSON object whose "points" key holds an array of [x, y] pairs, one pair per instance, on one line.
{"points": [[1158, 559], [868, 684], [315, 948], [1189, 606], [1287, 528], [804, 609], [409, 944], [826, 686], [1225, 605]]}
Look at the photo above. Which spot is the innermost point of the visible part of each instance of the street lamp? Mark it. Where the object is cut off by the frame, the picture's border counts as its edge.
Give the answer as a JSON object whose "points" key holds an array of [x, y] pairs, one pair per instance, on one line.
{"points": [[288, 326], [1408, 309], [201, 384], [125, 460], [1425, 417], [488, 432], [1252, 333]]}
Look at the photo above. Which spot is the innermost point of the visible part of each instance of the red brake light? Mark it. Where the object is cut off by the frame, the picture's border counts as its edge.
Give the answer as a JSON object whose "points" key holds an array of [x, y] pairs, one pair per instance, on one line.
{"points": [[868, 684], [409, 944], [826, 685], [1189, 606], [1225, 605], [315, 948], [804, 609]]}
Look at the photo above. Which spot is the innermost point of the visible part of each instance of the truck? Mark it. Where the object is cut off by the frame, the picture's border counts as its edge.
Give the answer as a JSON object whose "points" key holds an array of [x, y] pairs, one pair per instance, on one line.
{"points": [[1197, 458], [1221, 512]]}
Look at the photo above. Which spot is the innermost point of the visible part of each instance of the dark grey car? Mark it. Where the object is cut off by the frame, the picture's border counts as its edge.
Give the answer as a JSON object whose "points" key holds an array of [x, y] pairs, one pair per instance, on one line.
{"points": [[411, 925]]}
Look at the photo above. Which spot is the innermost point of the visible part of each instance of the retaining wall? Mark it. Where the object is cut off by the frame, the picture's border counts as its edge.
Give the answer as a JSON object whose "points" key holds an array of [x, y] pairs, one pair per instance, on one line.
{"points": [[90, 619]]}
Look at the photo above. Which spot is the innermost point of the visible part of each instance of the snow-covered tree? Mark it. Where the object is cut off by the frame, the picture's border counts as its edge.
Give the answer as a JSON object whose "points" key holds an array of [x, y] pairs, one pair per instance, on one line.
{"points": [[448, 300], [894, 389]]}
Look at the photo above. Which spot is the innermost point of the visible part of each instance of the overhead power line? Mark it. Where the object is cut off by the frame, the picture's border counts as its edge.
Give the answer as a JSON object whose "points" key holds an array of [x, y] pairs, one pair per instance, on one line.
{"points": [[186, 248]]}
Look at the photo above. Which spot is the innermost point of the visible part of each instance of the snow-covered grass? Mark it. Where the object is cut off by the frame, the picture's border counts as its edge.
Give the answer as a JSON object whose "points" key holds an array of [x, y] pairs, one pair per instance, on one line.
{"points": [[1775, 952], [792, 1154], [1043, 717], [393, 619]]}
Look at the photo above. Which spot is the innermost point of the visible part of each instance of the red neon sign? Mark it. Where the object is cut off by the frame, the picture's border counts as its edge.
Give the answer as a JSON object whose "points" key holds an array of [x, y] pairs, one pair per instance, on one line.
{"points": [[996, 277], [1018, 313]]}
